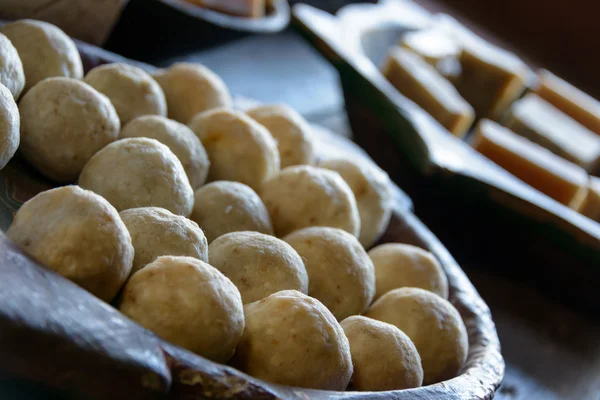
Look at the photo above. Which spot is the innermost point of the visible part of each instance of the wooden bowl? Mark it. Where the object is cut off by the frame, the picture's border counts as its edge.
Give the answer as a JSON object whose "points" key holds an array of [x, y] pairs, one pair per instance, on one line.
{"points": [[152, 29], [63, 339], [454, 184]]}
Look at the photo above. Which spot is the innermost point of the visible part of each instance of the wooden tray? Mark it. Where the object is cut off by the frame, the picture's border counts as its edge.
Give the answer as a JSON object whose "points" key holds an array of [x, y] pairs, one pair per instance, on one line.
{"points": [[455, 184], [276, 18], [68, 343], [169, 27], [330, 5]]}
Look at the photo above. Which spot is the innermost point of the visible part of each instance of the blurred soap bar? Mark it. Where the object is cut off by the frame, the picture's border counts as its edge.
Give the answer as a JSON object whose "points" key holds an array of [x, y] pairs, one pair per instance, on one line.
{"points": [[423, 84], [545, 171], [575, 103], [589, 205], [241, 8], [491, 78], [436, 47], [541, 122]]}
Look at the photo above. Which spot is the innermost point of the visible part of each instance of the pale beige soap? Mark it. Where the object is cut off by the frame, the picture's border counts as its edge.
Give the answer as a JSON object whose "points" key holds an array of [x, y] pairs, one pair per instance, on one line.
{"points": [[423, 84], [542, 123]]}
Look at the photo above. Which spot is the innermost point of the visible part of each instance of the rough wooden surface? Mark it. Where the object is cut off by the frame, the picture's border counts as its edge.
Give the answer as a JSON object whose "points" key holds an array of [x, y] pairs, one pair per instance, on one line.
{"points": [[55, 333], [552, 352]]}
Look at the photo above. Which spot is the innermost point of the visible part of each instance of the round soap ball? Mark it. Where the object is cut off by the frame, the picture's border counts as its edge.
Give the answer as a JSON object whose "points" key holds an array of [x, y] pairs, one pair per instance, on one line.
{"points": [[44, 50], [303, 196], [340, 273], [158, 232], [290, 130], [179, 138], [64, 122], [403, 265], [384, 357], [12, 74], [258, 264], [292, 339], [224, 206], [77, 234], [191, 89], [139, 172], [371, 188], [239, 148], [10, 124], [187, 302], [131, 90], [432, 323]]}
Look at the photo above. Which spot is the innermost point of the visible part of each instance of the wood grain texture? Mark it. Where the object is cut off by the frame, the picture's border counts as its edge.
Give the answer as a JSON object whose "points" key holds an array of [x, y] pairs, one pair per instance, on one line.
{"points": [[552, 352], [55, 333]]}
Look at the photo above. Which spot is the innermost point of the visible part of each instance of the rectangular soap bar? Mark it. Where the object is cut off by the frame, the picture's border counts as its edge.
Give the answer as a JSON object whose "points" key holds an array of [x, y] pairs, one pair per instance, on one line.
{"points": [[241, 8], [437, 47], [420, 82], [541, 122], [589, 205], [580, 106], [491, 78], [545, 171]]}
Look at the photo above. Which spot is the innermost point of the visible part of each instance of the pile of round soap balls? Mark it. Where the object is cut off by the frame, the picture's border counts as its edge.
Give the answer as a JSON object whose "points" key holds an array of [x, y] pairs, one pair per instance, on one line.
{"points": [[220, 229]]}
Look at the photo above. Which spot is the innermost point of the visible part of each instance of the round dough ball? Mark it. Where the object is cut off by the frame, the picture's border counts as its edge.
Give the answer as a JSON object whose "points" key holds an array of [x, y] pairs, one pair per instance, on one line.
{"points": [[432, 323], [222, 207], [258, 264], [158, 232], [131, 90], [239, 148], [77, 234], [292, 339], [12, 74], [64, 122], [384, 358], [291, 132], [191, 89], [139, 172], [187, 302], [340, 273], [179, 138], [402, 265], [303, 196], [371, 188], [9, 126], [44, 50]]}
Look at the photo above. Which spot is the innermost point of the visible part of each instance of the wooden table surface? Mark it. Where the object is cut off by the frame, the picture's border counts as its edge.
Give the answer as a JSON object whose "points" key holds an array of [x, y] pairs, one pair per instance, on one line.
{"points": [[551, 352]]}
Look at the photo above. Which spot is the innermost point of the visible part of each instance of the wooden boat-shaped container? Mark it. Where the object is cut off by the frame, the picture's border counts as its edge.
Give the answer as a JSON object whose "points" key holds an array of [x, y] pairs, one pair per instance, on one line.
{"points": [[177, 26], [545, 243], [57, 339]]}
